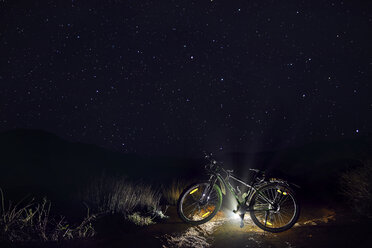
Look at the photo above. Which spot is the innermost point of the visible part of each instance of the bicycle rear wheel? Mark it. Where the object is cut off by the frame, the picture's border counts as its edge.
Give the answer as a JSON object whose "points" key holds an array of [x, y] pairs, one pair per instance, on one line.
{"points": [[276, 217], [195, 209]]}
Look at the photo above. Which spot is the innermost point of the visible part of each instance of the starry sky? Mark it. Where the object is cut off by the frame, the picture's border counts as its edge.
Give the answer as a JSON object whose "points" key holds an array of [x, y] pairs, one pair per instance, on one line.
{"points": [[179, 77]]}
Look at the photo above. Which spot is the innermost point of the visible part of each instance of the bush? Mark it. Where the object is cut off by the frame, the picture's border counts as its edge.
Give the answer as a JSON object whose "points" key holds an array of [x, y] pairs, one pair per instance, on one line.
{"points": [[116, 195], [356, 187], [31, 221]]}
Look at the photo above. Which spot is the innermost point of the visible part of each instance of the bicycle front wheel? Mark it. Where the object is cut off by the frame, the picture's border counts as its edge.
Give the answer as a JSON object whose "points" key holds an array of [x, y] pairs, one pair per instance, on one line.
{"points": [[274, 208], [199, 203]]}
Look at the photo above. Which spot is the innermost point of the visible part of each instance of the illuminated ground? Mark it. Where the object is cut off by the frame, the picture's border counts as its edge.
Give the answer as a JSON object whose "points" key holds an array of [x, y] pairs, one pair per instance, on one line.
{"points": [[318, 226]]}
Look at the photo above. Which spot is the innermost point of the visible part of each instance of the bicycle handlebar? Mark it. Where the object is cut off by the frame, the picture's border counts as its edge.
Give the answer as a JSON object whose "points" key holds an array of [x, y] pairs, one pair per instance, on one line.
{"points": [[215, 166]]}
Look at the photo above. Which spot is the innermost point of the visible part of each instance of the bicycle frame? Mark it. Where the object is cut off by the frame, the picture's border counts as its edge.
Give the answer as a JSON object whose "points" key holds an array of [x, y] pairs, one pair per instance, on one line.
{"points": [[225, 182]]}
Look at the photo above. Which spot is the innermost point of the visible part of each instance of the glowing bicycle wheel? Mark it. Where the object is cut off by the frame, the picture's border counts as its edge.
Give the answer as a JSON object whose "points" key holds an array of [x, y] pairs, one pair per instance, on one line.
{"points": [[194, 208], [276, 217]]}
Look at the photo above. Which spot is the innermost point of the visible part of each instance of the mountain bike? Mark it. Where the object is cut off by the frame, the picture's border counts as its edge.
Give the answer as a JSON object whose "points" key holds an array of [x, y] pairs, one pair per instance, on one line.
{"points": [[272, 203]]}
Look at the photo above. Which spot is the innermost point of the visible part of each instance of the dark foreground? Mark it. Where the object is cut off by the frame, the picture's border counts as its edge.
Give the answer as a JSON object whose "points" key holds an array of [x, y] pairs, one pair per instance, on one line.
{"points": [[319, 226], [42, 163]]}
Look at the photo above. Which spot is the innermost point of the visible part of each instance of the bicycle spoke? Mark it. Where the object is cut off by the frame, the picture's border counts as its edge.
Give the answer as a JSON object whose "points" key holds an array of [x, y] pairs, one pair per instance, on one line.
{"points": [[192, 213], [188, 206]]}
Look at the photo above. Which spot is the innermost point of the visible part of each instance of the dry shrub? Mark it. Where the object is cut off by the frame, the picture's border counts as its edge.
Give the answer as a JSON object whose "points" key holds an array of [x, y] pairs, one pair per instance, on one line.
{"points": [[116, 195], [172, 192], [31, 221], [140, 220], [356, 187]]}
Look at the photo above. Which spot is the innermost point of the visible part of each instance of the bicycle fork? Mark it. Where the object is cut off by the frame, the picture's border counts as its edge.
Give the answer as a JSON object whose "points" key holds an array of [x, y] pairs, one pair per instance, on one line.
{"points": [[207, 191]]}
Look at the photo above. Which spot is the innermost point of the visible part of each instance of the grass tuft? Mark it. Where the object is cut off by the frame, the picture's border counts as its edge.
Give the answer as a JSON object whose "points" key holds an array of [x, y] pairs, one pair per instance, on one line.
{"points": [[140, 220], [172, 192], [31, 221], [116, 195]]}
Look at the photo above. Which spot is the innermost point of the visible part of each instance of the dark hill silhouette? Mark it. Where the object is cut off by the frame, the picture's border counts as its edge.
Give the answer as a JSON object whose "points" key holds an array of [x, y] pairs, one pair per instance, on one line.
{"points": [[38, 161]]}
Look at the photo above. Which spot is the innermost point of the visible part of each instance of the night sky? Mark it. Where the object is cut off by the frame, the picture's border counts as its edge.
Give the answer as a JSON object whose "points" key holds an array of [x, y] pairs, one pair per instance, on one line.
{"points": [[179, 77]]}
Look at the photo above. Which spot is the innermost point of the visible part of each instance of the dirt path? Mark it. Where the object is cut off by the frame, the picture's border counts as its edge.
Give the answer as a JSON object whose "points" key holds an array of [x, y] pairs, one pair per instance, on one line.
{"points": [[317, 227]]}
